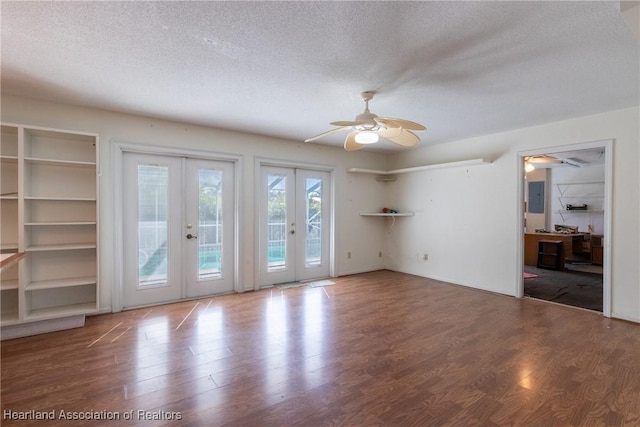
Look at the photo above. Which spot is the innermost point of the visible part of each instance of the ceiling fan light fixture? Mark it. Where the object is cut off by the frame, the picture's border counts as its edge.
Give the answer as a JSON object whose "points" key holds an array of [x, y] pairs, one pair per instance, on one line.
{"points": [[529, 167], [367, 137]]}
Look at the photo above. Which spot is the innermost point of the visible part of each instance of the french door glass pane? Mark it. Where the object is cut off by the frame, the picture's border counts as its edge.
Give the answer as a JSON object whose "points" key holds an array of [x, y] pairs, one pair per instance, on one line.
{"points": [[313, 236], [209, 224], [276, 222], [152, 225]]}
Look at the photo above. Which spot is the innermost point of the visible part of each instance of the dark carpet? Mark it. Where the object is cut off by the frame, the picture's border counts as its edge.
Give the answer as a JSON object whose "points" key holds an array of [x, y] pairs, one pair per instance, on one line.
{"points": [[573, 288]]}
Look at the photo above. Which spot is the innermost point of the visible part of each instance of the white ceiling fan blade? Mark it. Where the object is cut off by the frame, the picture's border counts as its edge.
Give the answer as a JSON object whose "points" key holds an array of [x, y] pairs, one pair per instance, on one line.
{"points": [[546, 162], [320, 135], [388, 123], [543, 160], [345, 123], [406, 124], [406, 138], [350, 143], [391, 132]]}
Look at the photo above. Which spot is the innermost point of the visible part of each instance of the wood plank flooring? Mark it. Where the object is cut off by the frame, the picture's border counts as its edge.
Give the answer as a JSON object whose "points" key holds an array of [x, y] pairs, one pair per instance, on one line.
{"points": [[375, 349]]}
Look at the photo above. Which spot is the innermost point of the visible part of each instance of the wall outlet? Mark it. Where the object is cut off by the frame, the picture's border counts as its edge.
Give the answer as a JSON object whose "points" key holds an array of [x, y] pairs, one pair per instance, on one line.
{"points": [[380, 254], [348, 255], [425, 257]]}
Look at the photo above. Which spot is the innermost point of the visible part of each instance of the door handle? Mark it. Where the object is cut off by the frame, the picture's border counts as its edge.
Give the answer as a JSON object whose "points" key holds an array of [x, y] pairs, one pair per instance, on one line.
{"points": [[191, 236]]}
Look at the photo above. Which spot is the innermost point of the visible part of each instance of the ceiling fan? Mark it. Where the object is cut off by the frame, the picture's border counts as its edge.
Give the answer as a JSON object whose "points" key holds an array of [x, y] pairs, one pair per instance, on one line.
{"points": [[367, 128], [545, 161]]}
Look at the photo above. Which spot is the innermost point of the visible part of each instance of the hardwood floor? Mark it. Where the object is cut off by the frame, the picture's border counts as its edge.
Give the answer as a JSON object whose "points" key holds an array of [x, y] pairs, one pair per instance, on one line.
{"points": [[379, 348]]}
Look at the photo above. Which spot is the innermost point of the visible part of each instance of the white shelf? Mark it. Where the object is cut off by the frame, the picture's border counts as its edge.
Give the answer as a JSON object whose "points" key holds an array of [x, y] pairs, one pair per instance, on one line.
{"points": [[578, 211], [61, 283], [580, 183], [61, 199], [64, 311], [582, 197], [461, 163], [387, 214], [35, 224], [61, 247], [56, 162]]}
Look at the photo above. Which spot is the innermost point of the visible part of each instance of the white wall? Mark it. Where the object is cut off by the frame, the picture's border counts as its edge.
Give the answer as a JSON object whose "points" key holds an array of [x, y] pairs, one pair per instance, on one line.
{"points": [[466, 218], [353, 233]]}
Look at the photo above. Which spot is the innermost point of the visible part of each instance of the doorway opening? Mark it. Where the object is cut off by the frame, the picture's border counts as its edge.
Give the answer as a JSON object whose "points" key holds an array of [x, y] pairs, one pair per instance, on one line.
{"points": [[565, 211]]}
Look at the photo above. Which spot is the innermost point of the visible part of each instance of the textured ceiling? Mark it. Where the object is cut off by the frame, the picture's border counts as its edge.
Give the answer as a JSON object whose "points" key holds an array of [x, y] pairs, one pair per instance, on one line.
{"points": [[287, 69]]}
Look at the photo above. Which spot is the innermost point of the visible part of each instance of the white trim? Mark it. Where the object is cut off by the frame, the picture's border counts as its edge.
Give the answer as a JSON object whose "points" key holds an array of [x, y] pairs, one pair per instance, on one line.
{"points": [[116, 214], [519, 244], [265, 161], [118, 148], [461, 163], [625, 318], [173, 151], [608, 208]]}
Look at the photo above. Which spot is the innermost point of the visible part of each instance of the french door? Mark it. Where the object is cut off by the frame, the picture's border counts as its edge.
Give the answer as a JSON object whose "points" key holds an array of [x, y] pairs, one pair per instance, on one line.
{"points": [[178, 228], [294, 224]]}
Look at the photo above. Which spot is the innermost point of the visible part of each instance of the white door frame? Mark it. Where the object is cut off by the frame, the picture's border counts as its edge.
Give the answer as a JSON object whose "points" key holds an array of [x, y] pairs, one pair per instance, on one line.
{"points": [[608, 205], [118, 148], [263, 161]]}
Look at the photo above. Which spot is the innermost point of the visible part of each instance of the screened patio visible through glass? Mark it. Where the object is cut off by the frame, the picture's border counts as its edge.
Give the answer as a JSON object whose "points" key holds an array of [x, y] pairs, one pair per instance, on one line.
{"points": [[210, 222], [313, 235], [153, 184], [276, 222]]}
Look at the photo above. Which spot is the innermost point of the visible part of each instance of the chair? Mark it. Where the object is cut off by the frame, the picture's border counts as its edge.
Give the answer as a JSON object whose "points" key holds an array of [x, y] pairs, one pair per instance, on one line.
{"points": [[551, 254]]}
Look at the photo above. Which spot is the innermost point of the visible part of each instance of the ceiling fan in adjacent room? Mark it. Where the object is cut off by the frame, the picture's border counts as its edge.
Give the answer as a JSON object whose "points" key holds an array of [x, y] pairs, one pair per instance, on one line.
{"points": [[368, 128], [546, 161]]}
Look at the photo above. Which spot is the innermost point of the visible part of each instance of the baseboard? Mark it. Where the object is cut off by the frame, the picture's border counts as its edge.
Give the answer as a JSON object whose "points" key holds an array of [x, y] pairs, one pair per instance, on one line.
{"points": [[359, 271], [625, 318], [456, 283]]}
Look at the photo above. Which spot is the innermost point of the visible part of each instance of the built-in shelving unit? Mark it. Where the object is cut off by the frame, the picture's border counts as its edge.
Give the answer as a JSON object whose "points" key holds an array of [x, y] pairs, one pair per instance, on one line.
{"points": [[49, 212]]}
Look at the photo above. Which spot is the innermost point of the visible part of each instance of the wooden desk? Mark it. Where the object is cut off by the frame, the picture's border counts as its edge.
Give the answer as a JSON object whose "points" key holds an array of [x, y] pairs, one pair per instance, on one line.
{"points": [[531, 244], [596, 248]]}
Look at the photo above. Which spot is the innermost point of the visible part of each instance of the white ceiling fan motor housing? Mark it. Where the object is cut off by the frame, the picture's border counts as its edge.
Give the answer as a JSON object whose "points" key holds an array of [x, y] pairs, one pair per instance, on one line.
{"points": [[366, 119]]}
